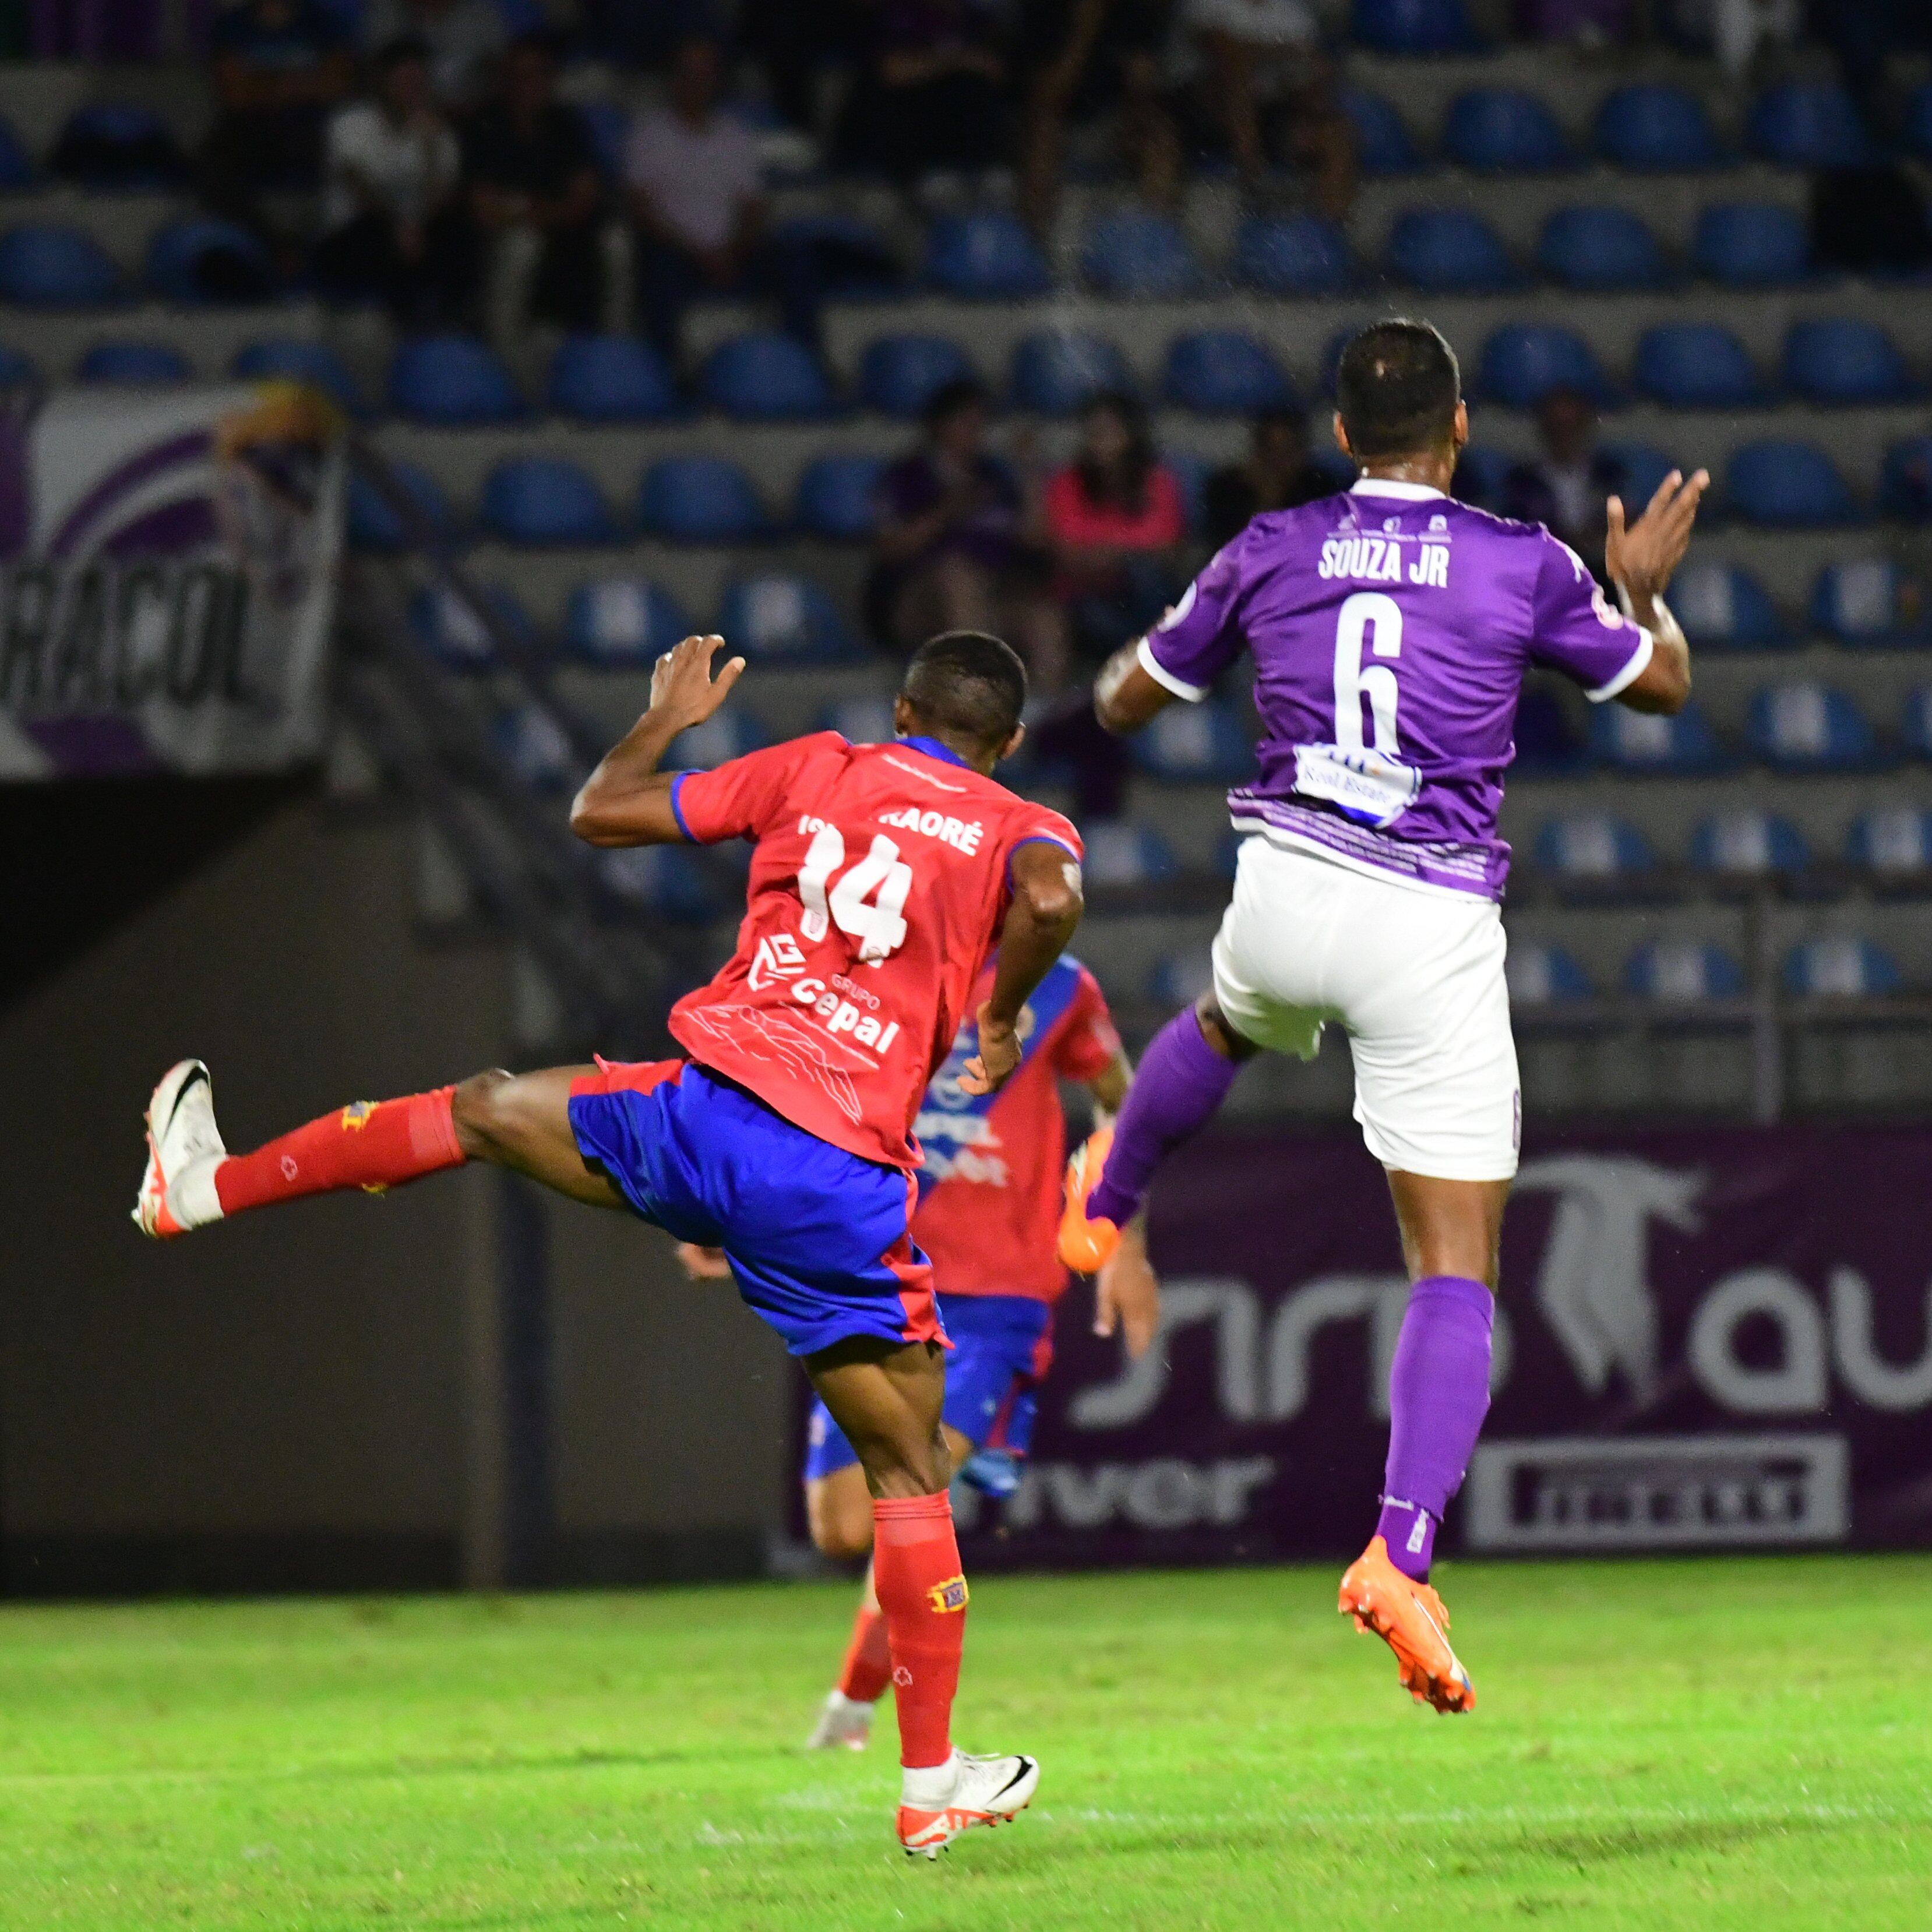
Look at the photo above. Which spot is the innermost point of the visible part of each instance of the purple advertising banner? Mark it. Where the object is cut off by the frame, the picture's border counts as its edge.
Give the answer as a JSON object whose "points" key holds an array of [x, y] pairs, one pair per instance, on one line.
{"points": [[1706, 1339]]}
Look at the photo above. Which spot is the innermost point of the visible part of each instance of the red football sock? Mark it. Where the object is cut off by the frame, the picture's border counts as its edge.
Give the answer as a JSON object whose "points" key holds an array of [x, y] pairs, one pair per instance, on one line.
{"points": [[368, 1145], [916, 1572], [869, 1659]]}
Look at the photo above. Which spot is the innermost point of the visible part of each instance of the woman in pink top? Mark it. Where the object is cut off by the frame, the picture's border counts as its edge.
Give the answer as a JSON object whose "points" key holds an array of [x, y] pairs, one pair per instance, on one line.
{"points": [[1115, 521]]}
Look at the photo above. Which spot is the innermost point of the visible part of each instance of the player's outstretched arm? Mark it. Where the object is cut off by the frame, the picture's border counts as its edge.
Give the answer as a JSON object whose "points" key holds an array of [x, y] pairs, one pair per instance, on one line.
{"points": [[626, 800], [1047, 905], [1640, 561], [1125, 697]]}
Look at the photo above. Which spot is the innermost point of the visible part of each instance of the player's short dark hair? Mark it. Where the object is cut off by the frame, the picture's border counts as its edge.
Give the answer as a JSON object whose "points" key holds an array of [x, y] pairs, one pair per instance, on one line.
{"points": [[968, 682], [1397, 387]]}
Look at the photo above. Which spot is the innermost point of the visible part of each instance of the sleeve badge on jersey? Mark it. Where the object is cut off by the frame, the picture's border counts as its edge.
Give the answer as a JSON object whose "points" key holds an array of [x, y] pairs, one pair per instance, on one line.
{"points": [[950, 1595]]}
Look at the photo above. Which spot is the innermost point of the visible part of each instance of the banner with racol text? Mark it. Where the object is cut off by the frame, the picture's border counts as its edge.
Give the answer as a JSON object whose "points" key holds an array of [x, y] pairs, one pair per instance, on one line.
{"points": [[1707, 1338], [167, 570]]}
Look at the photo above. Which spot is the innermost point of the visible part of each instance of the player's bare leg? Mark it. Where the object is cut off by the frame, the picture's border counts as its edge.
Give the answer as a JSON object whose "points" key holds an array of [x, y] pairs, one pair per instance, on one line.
{"points": [[886, 1398], [838, 1515], [1439, 1394], [515, 1121]]}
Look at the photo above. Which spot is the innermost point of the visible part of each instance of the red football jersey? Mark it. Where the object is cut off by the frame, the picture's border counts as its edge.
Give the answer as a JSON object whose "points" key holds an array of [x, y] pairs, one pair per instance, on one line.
{"points": [[878, 887], [989, 1216]]}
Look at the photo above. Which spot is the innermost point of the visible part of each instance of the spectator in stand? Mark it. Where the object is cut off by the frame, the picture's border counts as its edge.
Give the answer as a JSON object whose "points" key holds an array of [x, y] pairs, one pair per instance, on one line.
{"points": [[1256, 81], [1083, 58], [1114, 521], [396, 232], [1275, 474], [465, 38], [931, 91], [793, 44], [531, 172], [1566, 486], [279, 66], [951, 552]]}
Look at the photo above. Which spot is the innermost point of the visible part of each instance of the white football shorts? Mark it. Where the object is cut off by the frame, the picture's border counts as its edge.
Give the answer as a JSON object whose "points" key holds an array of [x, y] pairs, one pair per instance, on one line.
{"points": [[1415, 976]]}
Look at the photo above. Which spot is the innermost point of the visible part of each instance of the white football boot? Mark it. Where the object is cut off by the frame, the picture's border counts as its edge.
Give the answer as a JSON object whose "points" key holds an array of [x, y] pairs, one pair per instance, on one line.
{"points": [[184, 1150], [842, 1720], [937, 1804]]}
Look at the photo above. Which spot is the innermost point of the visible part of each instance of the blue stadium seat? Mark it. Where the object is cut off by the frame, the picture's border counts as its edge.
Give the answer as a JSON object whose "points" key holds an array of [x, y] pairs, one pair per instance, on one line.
{"points": [[729, 733], [783, 620], [898, 373], [1547, 745], [1450, 251], [133, 362], [535, 747], [16, 372], [700, 500], [17, 168], [1503, 130], [1411, 26], [1894, 841], [1195, 744], [1805, 726], [1808, 124], [453, 634], [1294, 255], [1522, 362], [1587, 847], [1181, 978], [1748, 844], [1788, 486], [1869, 600], [765, 376], [1842, 361], [117, 147], [1654, 129], [1223, 372], [666, 881], [1683, 973], [1839, 966], [985, 256], [198, 260], [611, 379], [290, 359], [1544, 976], [1644, 467], [1482, 476], [1723, 607], [861, 720], [838, 496], [545, 500], [1751, 244], [622, 623], [1121, 855], [1132, 251], [1916, 721], [1599, 248], [373, 526], [453, 379], [1905, 482], [50, 265], [853, 259], [1055, 371], [1648, 741], [1696, 365], [1382, 142]]}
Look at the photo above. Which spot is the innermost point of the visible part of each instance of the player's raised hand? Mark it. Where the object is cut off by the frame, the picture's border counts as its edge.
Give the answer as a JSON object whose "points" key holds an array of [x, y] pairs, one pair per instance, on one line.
{"points": [[683, 691], [999, 1054], [703, 1264], [1642, 557], [1126, 1294]]}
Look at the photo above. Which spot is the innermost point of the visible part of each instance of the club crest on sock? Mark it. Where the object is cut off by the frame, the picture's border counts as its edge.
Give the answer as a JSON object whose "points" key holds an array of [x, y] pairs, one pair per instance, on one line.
{"points": [[950, 1595], [356, 1114]]}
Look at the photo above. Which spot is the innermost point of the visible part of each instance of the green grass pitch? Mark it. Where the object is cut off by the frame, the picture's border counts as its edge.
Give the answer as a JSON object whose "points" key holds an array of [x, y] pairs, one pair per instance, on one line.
{"points": [[1702, 1744]]}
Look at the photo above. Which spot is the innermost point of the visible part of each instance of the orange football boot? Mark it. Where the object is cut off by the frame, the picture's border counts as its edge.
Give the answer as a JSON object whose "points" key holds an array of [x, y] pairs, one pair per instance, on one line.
{"points": [[1086, 1246], [1409, 1618]]}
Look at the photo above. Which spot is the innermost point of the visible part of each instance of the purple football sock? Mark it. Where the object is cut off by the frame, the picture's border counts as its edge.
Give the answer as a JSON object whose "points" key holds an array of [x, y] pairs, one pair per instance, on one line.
{"points": [[1439, 1394], [1179, 1083]]}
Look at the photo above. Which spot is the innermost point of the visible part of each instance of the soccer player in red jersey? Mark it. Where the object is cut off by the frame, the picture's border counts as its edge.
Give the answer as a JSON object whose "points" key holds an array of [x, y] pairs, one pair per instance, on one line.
{"points": [[884, 877], [988, 1208]]}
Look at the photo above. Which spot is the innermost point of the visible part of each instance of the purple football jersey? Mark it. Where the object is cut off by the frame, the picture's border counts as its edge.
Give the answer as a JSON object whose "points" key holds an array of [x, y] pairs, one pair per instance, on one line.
{"points": [[1391, 627]]}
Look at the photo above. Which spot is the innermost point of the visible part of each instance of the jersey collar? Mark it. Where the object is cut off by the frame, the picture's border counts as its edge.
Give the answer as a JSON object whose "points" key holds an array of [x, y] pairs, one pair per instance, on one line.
{"points": [[933, 748], [1393, 486]]}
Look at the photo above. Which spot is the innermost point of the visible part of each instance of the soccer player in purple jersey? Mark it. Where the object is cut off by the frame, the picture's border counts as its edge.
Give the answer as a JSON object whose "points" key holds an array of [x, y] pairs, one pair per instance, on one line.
{"points": [[1390, 628]]}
